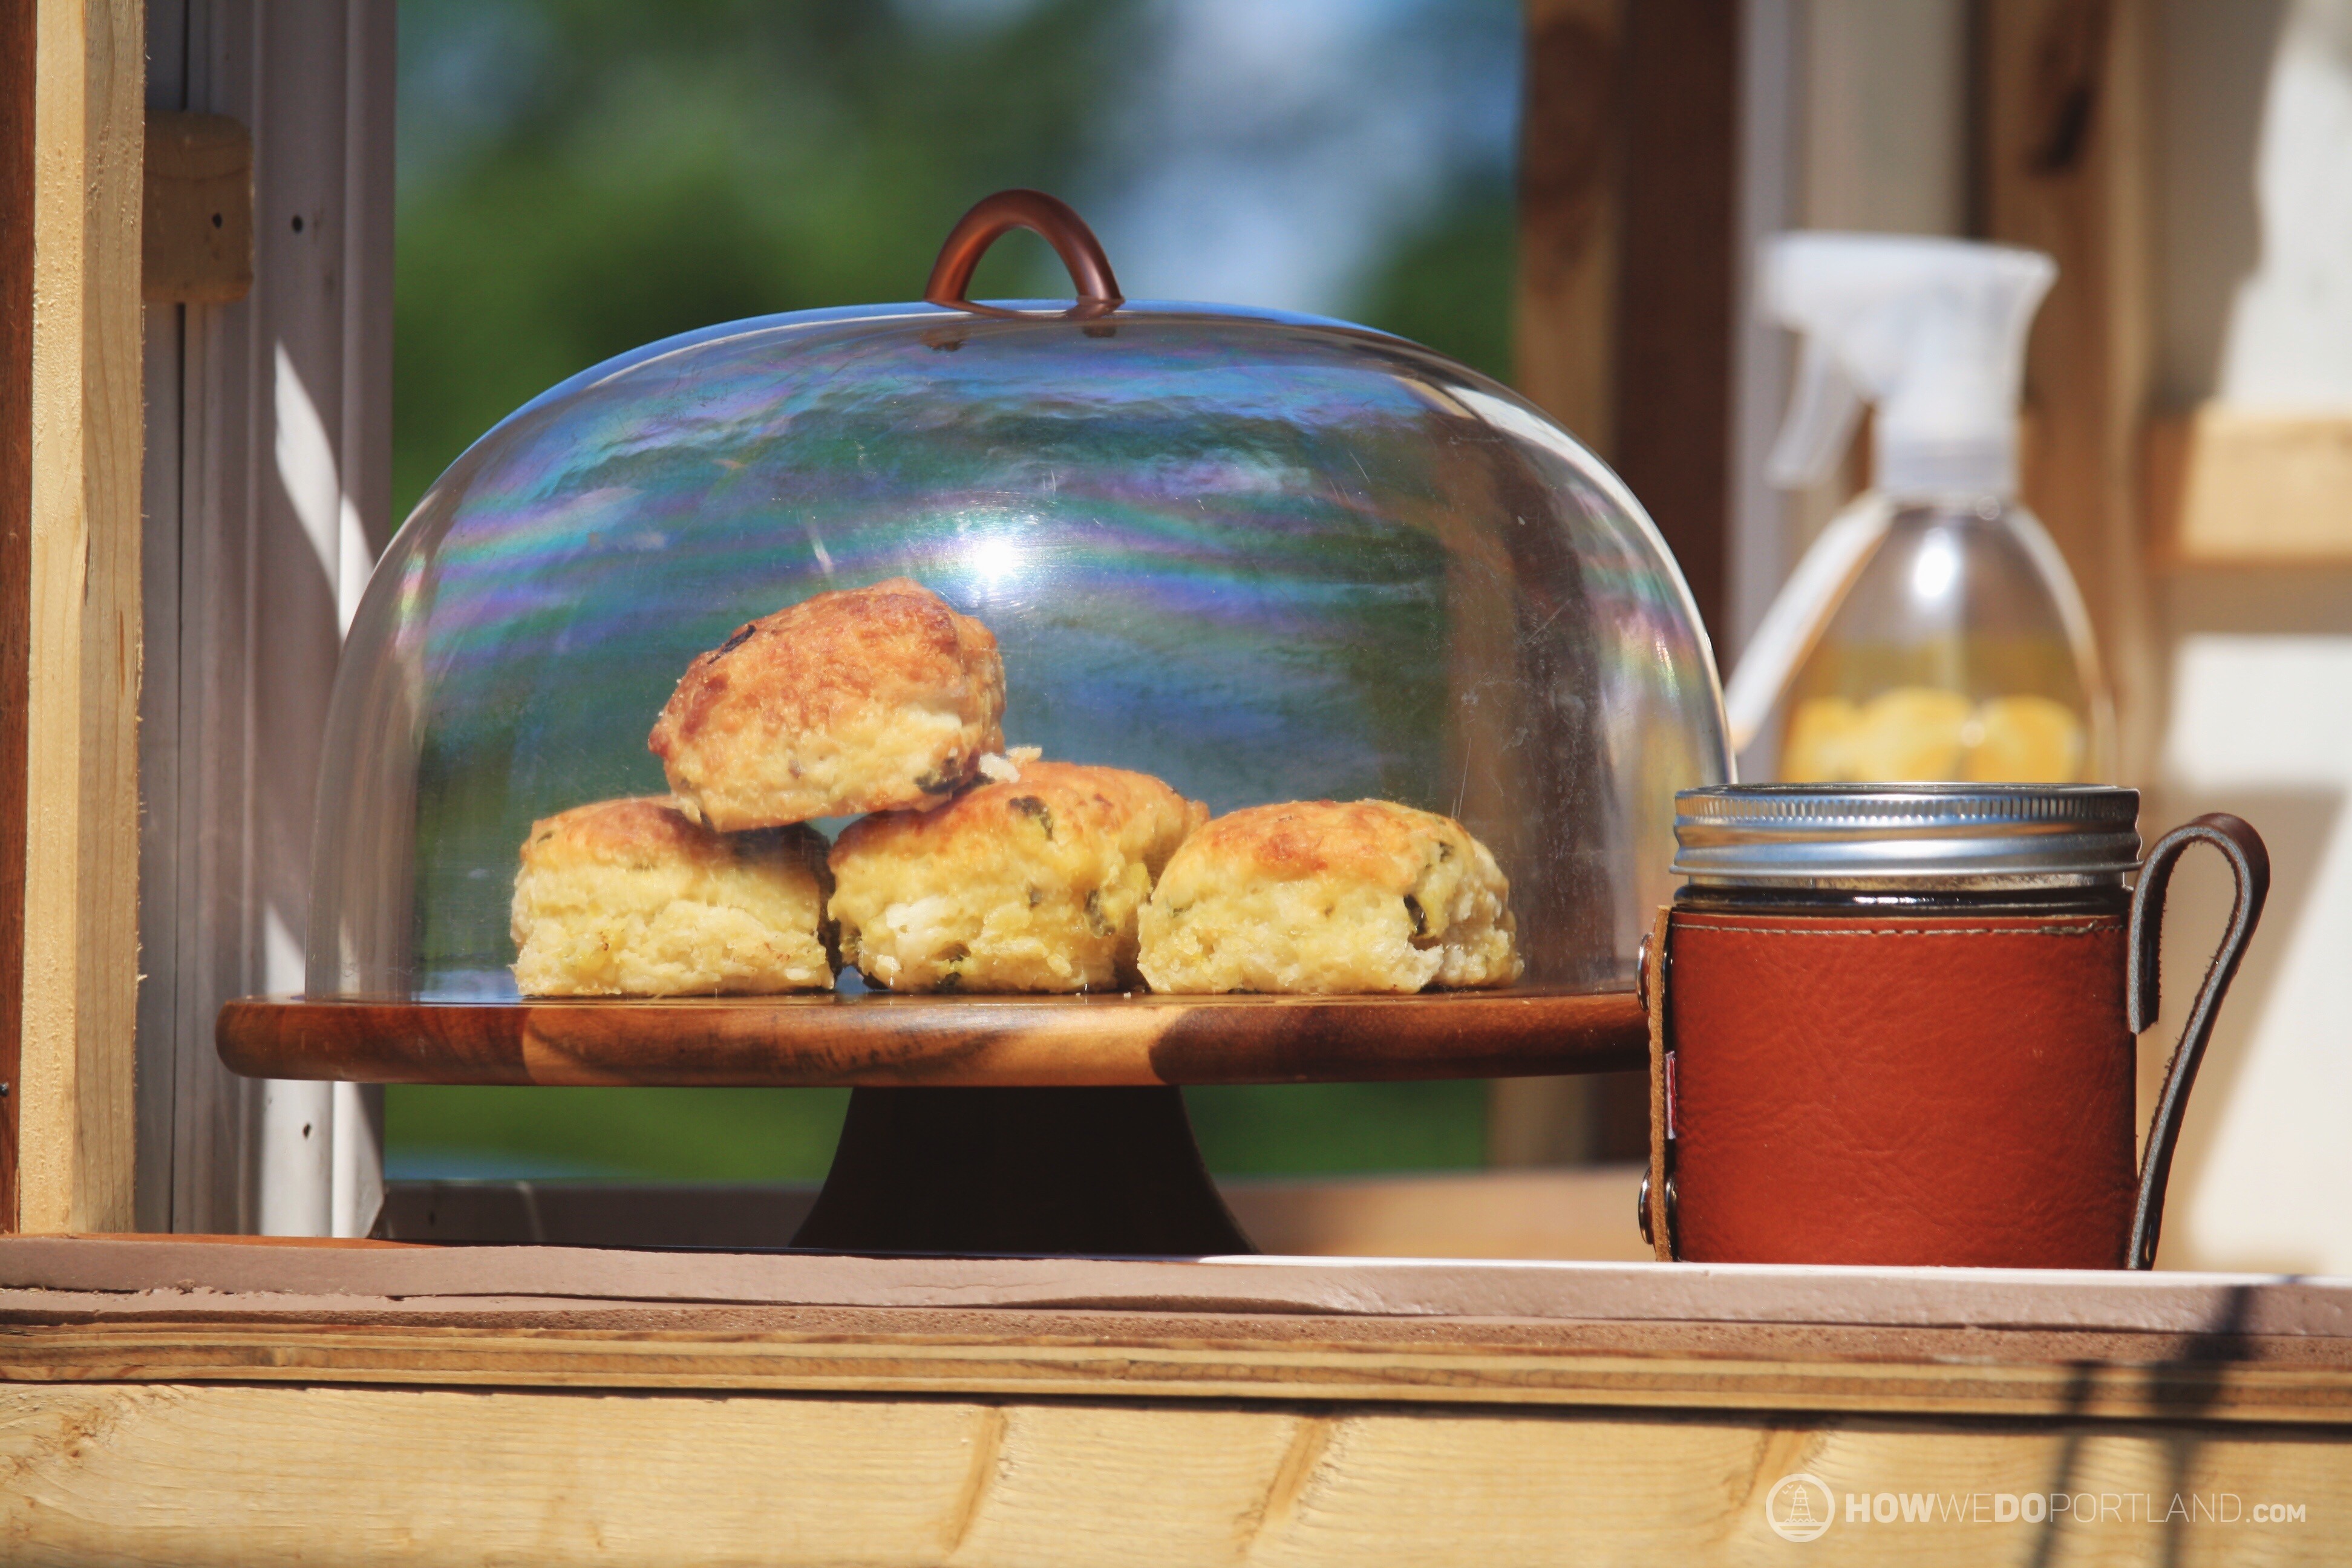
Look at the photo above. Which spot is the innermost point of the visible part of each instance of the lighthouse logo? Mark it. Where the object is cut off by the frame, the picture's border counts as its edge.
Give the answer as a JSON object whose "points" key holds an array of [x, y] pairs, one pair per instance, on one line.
{"points": [[1799, 1507]]}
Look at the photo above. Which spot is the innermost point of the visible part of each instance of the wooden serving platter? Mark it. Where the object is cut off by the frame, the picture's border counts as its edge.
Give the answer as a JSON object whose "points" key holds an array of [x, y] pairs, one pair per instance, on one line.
{"points": [[939, 1041]]}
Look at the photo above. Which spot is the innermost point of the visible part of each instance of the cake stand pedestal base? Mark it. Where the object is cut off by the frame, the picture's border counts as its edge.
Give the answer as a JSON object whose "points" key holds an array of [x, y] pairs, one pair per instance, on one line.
{"points": [[1052, 1171]]}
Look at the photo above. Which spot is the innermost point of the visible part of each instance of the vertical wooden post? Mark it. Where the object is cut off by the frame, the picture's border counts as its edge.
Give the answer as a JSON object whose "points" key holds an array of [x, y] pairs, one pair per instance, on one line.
{"points": [[16, 531], [1564, 351], [2065, 146], [1628, 194], [1565, 342], [81, 685], [1680, 97]]}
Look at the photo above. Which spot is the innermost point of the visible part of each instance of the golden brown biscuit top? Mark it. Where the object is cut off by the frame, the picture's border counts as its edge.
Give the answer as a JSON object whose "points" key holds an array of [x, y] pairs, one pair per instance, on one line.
{"points": [[1377, 841], [1051, 795], [830, 655], [639, 831]]}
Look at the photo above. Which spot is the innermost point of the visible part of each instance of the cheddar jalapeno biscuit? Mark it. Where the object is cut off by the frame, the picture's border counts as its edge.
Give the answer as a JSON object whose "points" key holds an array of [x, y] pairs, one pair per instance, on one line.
{"points": [[631, 897], [866, 700], [1317, 896], [1030, 884]]}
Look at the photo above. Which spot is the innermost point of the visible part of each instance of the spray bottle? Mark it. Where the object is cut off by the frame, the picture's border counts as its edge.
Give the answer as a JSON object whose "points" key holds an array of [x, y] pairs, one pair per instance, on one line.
{"points": [[1932, 632]]}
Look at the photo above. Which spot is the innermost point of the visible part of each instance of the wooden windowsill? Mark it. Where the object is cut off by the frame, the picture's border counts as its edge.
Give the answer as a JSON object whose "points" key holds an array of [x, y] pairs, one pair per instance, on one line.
{"points": [[170, 1399], [1948, 1341]]}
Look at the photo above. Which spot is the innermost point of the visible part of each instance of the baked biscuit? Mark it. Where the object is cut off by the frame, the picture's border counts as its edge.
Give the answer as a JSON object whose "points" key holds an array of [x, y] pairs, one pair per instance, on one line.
{"points": [[1027, 885], [1318, 897], [866, 700], [631, 897]]}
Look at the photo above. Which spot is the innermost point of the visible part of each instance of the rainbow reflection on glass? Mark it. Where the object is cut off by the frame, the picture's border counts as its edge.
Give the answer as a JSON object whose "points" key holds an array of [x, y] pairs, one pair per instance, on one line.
{"points": [[1264, 557]]}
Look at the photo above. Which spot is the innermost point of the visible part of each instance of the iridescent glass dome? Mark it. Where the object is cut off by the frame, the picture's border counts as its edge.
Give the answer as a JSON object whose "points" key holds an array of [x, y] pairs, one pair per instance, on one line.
{"points": [[1264, 556]]}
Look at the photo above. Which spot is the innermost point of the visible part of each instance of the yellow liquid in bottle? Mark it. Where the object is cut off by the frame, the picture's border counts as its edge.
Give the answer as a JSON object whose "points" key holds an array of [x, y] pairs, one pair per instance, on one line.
{"points": [[1947, 660], [1972, 710]]}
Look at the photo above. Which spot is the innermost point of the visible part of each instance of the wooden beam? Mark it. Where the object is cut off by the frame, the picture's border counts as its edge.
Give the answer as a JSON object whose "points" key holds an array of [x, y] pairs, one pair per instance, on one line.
{"points": [[1628, 183], [15, 532], [2205, 1314], [1565, 337], [321, 1403], [2065, 144], [1826, 1375], [1679, 96], [80, 984], [1628, 161], [282, 1475], [2236, 487], [196, 240]]}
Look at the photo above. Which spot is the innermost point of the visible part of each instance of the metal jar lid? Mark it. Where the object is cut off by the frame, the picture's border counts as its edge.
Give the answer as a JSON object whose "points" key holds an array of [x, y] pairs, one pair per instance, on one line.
{"points": [[1916, 835]]}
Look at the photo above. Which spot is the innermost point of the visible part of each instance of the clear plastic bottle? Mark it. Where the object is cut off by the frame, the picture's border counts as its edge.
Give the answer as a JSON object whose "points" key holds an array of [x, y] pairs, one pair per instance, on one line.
{"points": [[1955, 654], [1932, 633]]}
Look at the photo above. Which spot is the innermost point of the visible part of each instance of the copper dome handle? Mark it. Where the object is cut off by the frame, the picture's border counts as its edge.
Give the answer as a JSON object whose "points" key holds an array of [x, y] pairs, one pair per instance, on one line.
{"points": [[993, 217]]}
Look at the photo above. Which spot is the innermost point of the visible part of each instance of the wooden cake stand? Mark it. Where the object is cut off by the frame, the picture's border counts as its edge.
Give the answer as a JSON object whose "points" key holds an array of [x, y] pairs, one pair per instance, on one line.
{"points": [[977, 1124]]}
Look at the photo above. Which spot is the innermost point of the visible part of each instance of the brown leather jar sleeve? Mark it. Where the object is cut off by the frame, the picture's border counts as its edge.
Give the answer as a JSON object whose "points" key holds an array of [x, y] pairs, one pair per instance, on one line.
{"points": [[1901, 1091], [1657, 1218]]}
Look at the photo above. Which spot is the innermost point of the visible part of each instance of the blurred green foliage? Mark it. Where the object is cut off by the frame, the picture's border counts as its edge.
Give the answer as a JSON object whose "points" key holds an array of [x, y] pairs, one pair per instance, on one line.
{"points": [[674, 1134], [578, 177], [1449, 283], [1284, 1129], [582, 176], [643, 170], [787, 1134]]}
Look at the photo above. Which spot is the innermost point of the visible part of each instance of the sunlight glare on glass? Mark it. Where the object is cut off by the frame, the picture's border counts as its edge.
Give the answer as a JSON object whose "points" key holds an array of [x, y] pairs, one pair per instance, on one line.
{"points": [[995, 560], [1936, 568]]}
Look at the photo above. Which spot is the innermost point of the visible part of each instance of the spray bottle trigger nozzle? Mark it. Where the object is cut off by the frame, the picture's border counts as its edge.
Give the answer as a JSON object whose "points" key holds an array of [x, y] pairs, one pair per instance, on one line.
{"points": [[1822, 413]]}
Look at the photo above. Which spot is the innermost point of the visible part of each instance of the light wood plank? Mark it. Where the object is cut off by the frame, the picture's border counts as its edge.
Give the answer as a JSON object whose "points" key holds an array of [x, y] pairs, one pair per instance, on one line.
{"points": [[238, 1275], [262, 1476], [80, 892], [196, 243], [1166, 1369], [2233, 486]]}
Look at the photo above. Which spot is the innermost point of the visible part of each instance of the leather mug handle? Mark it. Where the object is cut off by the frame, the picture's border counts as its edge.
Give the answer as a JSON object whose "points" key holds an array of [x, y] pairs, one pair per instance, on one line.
{"points": [[2250, 866]]}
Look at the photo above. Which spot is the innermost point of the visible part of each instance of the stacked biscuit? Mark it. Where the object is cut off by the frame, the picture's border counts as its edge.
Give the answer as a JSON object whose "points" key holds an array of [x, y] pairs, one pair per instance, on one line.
{"points": [[974, 869]]}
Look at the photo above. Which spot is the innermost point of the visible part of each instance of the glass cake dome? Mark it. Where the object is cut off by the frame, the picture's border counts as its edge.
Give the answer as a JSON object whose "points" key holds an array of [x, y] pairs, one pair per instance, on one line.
{"points": [[1262, 556]]}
